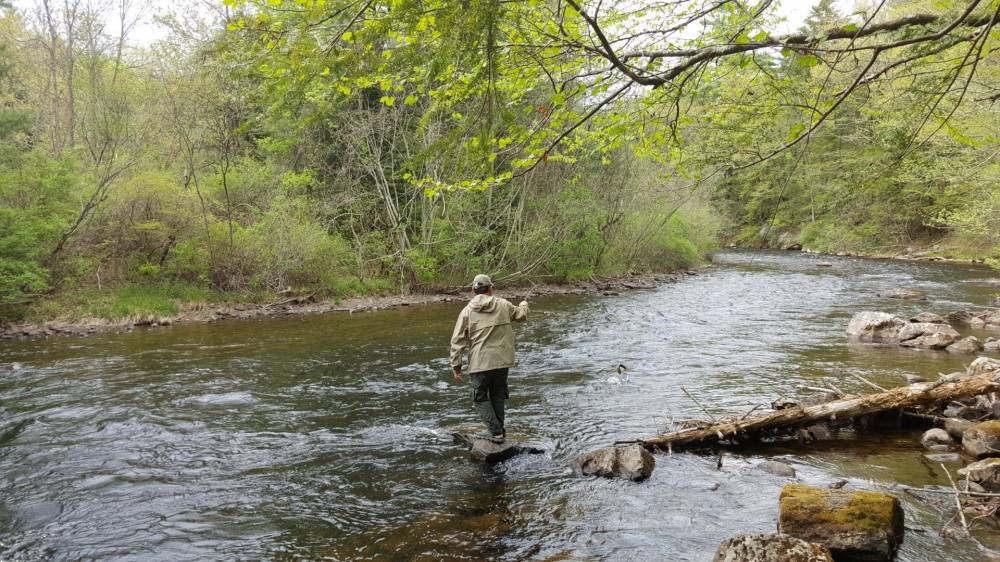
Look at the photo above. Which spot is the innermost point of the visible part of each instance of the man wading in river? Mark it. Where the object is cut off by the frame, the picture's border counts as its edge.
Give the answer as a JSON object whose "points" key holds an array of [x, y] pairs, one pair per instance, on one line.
{"points": [[484, 330]]}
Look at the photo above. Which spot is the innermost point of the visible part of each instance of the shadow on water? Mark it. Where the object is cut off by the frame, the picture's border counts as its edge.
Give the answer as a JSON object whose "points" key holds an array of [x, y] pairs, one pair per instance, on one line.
{"points": [[326, 437]]}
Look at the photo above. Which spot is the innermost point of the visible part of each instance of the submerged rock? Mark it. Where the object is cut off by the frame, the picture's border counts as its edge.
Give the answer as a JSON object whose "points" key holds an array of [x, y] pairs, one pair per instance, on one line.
{"points": [[943, 457], [853, 525], [777, 468], [982, 439], [631, 463], [967, 345], [903, 293], [774, 547], [928, 318], [984, 473], [936, 439], [485, 450], [875, 327]]}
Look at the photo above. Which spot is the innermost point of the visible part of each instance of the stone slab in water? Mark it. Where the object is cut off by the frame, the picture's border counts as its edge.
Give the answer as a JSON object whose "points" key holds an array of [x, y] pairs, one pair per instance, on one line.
{"points": [[633, 462], [489, 452], [774, 547], [853, 525]]}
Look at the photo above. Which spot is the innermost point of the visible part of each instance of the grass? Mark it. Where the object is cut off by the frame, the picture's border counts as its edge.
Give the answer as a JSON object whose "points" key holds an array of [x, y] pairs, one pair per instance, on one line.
{"points": [[122, 302]]}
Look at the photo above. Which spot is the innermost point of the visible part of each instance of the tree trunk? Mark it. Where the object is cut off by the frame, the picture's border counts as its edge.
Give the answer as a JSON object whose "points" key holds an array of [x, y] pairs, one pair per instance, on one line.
{"points": [[787, 420]]}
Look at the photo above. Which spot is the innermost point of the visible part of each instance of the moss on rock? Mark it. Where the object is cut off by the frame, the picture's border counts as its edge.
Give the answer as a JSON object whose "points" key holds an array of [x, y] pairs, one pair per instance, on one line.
{"points": [[854, 525]]}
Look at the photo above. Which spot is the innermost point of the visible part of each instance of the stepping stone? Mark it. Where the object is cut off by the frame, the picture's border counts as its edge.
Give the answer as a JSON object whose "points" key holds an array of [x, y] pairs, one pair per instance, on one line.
{"points": [[486, 451]]}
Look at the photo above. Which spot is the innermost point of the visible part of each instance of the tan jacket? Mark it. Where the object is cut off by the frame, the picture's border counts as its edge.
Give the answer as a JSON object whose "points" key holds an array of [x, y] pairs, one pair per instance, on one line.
{"points": [[484, 330]]}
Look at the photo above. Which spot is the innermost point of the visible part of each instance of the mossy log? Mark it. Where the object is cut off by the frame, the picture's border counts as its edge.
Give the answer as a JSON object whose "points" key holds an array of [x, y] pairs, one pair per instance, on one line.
{"points": [[786, 421]]}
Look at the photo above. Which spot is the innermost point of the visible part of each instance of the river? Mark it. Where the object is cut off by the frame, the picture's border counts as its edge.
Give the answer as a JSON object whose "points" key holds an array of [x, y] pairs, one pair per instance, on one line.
{"points": [[326, 437]]}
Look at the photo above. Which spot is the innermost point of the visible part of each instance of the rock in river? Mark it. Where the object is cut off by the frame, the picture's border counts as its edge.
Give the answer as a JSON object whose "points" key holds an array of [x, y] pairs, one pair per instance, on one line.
{"points": [[777, 468], [985, 473], [936, 439], [631, 463], [853, 525], [906, 294], [967, 345], [982, 439], [775, 547], [928, 317], [875, 327], [485, 450]]}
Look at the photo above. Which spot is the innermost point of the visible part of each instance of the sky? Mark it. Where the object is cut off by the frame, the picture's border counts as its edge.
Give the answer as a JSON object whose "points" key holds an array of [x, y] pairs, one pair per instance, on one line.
{"points": [[147, 31]]}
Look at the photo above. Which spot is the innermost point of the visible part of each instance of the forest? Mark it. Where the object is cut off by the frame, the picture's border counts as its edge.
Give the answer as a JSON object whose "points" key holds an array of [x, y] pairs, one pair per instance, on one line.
{"points": [[345, 147]]}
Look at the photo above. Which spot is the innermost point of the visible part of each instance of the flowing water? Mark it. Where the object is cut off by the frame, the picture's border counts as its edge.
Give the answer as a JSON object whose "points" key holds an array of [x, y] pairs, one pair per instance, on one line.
{"points": [[326, 437]]}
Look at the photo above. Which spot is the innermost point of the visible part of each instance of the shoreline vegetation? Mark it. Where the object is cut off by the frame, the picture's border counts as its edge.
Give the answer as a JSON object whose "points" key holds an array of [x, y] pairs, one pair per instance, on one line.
{"points": [[203, 312]]}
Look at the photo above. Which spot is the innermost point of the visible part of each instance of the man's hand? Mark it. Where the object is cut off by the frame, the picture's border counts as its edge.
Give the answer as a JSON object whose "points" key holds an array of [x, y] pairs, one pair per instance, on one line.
{"points": [[458, 374]]}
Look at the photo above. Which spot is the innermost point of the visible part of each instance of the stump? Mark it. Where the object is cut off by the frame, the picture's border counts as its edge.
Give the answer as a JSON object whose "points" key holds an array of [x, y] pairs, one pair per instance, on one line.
{"points": [[857, 526], [486, 451]]}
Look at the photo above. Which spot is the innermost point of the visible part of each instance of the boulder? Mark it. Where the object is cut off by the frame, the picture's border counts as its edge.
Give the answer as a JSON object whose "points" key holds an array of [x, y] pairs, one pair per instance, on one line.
{"points": [[853, 525], [486, 451], [982, 439], [983, 365], [958, 317], [777, 468], [914, 330], [905, 294], [967, 346], [774, 547], [928, 318], [991, 345], [936, 439], [984, 473], [930, 341], [875, 327], [956, 427], [977, 323], [631, 463], [796, 247]]}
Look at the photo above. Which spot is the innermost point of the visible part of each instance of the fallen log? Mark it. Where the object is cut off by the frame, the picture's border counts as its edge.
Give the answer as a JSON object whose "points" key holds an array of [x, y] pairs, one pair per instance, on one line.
{"points": [[790, 419]]}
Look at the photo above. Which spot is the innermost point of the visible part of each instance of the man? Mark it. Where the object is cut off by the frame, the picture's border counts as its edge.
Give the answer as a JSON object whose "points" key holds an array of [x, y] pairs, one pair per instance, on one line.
{"points": [[484, 330]]}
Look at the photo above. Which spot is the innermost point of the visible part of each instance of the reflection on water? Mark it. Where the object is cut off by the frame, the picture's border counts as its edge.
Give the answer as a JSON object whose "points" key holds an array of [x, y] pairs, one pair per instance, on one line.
{"points": [[326, 437]]}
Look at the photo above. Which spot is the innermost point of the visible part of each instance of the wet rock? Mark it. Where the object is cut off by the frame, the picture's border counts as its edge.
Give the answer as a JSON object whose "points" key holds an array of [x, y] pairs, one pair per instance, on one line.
{"points": [[977, 323], [775, 547], [983, 365], [777, 468], [914, 379], [914, 330], [931, 341], [796, 247], [967, 346], [936, 439], [958, 317], [943, 457], [991, 345], [853, 525], [982, 439], [984, 473], [875, 327], [819, 432], [953, 377], [486, 451], [824, 264], [956, 427], [928, 318], [905, 294], [631, 463]]}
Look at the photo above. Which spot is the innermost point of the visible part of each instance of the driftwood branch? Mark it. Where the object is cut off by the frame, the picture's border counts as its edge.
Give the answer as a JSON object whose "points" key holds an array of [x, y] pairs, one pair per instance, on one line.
{"points": [[788, 420]]}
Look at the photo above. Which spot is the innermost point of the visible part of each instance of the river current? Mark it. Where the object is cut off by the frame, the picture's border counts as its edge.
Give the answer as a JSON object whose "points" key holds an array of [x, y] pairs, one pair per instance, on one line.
{"points": [[326, 437]]}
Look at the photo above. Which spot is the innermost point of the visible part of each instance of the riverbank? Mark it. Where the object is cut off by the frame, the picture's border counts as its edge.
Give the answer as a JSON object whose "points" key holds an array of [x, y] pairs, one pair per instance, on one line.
{"points": [[203, 312]]}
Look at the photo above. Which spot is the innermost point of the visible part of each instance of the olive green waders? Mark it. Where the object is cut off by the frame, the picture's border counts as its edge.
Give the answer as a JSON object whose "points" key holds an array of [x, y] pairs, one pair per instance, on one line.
{"points": [[489, 390]]}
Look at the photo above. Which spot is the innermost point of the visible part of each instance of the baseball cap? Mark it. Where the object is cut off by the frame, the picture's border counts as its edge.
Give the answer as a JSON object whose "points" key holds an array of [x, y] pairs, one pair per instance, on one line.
{"points": [[482, 281]]}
